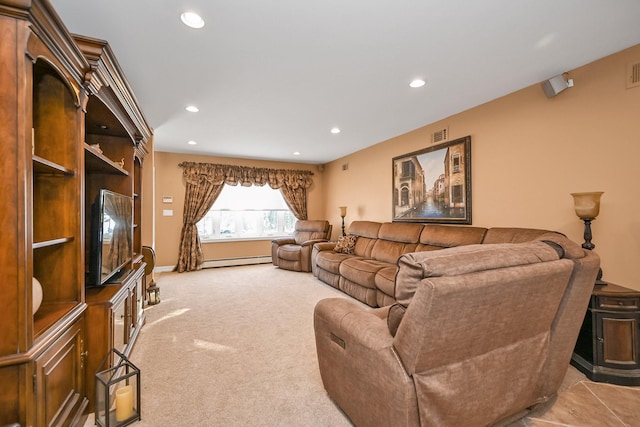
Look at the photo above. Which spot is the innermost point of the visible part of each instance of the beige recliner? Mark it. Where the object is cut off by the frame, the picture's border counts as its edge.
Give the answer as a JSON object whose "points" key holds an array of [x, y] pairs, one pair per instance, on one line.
{"points": [[294, 253], [479, 334]]}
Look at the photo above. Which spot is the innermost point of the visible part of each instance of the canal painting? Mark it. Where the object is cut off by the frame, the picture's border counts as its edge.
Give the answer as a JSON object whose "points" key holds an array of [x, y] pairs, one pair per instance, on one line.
{"points": [[434, 184]]}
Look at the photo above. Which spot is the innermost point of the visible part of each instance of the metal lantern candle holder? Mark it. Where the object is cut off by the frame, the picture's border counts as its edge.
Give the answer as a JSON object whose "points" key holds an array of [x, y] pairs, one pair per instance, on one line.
{"points": [[153, 292], [118, 393]]}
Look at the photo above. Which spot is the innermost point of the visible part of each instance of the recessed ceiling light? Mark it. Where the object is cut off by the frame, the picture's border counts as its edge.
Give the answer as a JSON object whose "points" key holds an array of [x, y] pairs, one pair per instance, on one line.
{"points": [[335, 130], [417, 83], [192, 109], [296, 153], [191, 142], [192, 19]]}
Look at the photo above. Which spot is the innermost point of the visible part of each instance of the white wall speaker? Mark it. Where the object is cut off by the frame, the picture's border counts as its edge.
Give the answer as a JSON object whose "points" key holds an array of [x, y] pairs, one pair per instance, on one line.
{"points": [[554, 86]]}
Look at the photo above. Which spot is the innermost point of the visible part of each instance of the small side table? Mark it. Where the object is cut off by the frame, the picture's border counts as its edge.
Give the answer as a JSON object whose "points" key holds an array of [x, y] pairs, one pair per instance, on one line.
{"points": [[608, 347]]}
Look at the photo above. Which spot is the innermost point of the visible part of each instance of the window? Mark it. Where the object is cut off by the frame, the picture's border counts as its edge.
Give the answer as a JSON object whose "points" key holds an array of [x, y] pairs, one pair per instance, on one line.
{"points": [[456, 163], [247, 213]]}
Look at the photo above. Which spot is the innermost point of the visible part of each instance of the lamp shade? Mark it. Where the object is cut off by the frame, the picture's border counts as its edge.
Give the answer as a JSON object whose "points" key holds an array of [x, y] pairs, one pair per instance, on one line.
{"points": [[587, 205], [343, 211]]}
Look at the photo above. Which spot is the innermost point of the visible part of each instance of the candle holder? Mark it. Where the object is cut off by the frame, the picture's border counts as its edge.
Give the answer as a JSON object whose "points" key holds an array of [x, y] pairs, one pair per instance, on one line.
{"points": [[587, 207], [117, 392], [153, 291], [343, 213]]}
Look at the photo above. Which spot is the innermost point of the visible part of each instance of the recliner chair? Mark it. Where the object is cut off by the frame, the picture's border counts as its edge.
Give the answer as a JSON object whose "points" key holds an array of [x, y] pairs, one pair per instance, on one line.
{"points": [[480, 334], [294, 253]]}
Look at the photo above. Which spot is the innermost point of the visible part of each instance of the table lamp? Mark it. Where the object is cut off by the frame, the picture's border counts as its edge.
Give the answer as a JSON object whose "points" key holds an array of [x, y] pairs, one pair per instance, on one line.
{"points": [[587, 206]]}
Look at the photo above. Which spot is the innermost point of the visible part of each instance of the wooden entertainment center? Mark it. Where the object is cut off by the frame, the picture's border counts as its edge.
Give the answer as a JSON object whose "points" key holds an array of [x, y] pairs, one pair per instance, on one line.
{"points": [[69, 120]]}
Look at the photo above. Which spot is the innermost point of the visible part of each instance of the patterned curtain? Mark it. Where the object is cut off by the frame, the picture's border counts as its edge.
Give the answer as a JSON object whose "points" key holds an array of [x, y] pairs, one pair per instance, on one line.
{"points": [[204, 182]]}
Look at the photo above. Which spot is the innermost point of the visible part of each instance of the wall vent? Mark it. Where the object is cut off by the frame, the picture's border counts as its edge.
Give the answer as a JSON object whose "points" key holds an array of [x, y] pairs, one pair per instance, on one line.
{"points": [[633, 75], [440, 135]]}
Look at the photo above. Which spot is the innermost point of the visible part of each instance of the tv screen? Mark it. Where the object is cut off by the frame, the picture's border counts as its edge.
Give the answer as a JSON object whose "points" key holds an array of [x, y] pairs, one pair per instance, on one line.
{"points": [[111, 237]]}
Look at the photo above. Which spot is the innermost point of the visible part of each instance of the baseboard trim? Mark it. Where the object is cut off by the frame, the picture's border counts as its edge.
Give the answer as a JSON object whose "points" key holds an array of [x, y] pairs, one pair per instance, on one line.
{"points": [[225, 262]]}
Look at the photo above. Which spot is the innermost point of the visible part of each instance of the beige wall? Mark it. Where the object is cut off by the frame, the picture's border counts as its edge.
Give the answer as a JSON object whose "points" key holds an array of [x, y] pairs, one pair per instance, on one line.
{"points": [[169, 182], [528, 153]]}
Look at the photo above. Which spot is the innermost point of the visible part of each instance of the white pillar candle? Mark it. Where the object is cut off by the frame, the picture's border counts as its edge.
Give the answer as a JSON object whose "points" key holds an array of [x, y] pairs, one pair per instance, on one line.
{"points": [[124, 403]]}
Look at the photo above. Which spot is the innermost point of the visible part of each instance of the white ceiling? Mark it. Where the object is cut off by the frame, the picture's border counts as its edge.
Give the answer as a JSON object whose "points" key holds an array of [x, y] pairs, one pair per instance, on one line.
{"points": [[273, 77]]}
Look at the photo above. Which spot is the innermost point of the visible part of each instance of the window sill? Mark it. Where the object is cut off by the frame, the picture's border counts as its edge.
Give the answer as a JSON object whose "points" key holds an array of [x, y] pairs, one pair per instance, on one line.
{"points": [[244, 239]]}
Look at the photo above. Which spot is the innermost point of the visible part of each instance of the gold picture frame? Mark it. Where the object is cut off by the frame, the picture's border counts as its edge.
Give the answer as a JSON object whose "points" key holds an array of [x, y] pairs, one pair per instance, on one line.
{"points": [[434, 184]]}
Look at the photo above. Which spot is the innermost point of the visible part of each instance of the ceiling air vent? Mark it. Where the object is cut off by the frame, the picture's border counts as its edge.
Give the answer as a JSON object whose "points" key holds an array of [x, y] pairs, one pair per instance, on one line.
{"points": [[440, 135], [633, 75]]}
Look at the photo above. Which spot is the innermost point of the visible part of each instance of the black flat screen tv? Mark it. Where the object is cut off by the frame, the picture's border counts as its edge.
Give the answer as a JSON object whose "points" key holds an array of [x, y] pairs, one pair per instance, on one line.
{"points": [[111, 239]]}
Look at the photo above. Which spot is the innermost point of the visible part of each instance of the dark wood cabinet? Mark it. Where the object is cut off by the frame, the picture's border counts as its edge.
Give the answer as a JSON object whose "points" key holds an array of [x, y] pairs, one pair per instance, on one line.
{"points": [[41, 97], [59, 93], [608, 347]]}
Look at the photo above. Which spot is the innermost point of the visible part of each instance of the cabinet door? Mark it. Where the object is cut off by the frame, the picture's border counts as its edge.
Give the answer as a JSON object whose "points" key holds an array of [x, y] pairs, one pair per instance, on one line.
{"points": [[139, 294], [617, 337], [120, 325], [59, 380]]}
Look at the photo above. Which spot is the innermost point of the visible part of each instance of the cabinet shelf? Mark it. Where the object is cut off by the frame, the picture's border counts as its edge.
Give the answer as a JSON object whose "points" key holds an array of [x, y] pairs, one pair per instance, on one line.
{"points": [[96, 162], [44, 166], [52, 242], [49, 314]]}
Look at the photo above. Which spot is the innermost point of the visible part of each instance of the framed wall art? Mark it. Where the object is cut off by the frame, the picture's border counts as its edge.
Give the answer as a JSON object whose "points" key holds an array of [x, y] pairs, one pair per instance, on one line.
{"points": [[434, 184]]}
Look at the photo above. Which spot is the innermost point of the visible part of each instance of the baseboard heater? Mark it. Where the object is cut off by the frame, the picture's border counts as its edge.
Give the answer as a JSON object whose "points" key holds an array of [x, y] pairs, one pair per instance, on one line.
{"points": [[225, 262], [230, 262]]}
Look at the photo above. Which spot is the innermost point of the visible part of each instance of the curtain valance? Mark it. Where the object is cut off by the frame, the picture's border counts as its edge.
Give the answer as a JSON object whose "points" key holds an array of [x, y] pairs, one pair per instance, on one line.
{"points": [[246, 176]]}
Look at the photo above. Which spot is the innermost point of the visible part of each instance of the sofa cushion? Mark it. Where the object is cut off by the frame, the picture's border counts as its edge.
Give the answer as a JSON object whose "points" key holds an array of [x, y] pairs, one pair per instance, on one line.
{"points": [[306, 230], [361, 271], [389, 251], [289, 252], [386, 280], [346, 244], [448, 236], [512, 235], [416, 266], [367, 232], [330, 261], [400, 232]]}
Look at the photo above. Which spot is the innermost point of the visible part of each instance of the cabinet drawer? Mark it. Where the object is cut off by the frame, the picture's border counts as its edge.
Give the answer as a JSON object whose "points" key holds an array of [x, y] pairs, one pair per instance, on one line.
{"points": [[618, 303]]}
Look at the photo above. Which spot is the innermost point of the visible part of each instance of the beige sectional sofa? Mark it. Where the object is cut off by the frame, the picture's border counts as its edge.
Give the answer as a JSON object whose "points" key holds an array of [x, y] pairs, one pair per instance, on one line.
{"points": [[369, 273]]}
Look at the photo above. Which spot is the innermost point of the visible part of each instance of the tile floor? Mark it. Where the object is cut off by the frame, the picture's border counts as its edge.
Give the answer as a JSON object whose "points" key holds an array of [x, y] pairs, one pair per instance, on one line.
{"points": [[584, 403]]}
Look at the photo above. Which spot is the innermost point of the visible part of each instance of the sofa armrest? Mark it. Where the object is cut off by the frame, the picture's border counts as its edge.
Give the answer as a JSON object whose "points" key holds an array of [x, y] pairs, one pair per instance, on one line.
{"points": [[355, 353], [312, 242], [283, 241], [324, 246], [351, 322]]}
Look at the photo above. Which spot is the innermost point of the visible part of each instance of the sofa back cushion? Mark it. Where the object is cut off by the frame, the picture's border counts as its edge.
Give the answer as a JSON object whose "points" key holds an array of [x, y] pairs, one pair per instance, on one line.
{"points": [[436, 236], [367, 232], [395, 240], [417, 266], [472, 334], [512, 234], [310, 230]]}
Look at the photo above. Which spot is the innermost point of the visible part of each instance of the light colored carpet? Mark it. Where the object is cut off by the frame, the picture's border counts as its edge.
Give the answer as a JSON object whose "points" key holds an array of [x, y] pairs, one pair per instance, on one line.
{"points": [[234, 346]]}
